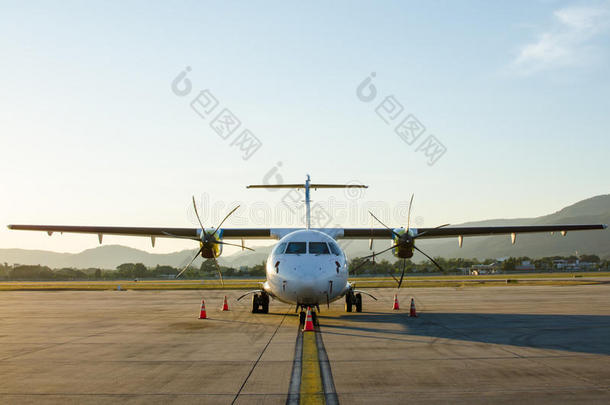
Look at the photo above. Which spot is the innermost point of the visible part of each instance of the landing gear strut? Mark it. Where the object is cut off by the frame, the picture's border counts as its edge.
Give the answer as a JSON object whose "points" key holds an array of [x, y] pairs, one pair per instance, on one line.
{"points": [[303, 314], [351, 300], [260, 303]]}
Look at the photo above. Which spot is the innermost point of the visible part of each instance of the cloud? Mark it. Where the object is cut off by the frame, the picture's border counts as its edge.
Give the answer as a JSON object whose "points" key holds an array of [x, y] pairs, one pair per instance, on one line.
{"points": [[571, 41]]}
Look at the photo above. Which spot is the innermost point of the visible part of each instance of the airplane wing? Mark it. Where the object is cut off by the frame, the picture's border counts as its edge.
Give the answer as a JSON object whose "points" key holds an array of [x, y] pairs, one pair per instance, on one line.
{"points": [[424, 233], [278, 233], [152, 232]]}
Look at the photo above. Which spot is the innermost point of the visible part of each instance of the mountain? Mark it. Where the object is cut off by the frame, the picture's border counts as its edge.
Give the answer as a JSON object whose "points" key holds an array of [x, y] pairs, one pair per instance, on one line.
{"points": [[110, 256], [592, 210], [106, 257]]}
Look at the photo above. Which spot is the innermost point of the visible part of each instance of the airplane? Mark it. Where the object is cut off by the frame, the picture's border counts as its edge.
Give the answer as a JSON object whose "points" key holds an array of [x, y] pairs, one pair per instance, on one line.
{"points": [[307, 267]]}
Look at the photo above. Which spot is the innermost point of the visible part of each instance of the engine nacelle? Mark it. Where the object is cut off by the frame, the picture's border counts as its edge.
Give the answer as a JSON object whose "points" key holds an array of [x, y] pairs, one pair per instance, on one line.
{"points": [[404, 242], [209, 247], [403, 252]]}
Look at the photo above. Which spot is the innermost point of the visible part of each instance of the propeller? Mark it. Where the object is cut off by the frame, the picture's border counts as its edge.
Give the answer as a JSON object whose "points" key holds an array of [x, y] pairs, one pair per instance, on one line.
{"points": [[222, 282], [402, 274], [377, 253], [431, 259], [403, 240], [191, 262], [362, 263], [425, 232], [409, 213], [208, 240]]}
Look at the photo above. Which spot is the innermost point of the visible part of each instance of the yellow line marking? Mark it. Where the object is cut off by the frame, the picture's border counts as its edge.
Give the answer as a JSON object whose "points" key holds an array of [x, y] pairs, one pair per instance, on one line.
{"points": [[312, 391]]}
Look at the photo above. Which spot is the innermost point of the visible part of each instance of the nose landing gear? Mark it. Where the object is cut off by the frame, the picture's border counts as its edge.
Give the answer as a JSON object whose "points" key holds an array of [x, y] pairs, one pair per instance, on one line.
{"points": [[352, 300], [303, 315]]}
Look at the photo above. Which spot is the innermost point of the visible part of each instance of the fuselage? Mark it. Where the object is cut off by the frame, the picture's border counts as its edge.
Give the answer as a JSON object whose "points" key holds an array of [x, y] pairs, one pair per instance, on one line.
{"points": [[307, 267]]}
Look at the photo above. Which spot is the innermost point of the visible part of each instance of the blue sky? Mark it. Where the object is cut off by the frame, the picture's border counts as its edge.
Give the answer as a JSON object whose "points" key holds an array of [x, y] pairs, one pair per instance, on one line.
{"points": [[91, 132]]}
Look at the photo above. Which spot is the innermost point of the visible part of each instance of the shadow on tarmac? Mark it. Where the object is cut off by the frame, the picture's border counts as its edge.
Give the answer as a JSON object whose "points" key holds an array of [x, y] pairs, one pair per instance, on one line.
{"points": [[576, 333]]}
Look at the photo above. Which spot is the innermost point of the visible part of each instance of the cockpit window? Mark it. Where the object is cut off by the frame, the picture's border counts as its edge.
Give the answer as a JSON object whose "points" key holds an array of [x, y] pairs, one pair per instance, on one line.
{"points": [[296, 248], [334, 248], [279, 249], [318, 248]]}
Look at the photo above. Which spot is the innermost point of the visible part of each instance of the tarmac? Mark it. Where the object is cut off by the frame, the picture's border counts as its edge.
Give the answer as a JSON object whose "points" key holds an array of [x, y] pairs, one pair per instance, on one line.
{"points": [[532, 344]]}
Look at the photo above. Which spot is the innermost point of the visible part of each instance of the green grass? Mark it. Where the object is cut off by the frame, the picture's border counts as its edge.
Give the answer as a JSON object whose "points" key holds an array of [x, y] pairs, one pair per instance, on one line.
{"points": [[476, 283], [497, 276], [556, 279], [128, 285]]}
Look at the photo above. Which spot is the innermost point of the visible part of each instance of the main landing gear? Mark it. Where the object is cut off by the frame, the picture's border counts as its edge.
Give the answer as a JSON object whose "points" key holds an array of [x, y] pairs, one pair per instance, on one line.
{"points": [[352, 300], [260, 303]]}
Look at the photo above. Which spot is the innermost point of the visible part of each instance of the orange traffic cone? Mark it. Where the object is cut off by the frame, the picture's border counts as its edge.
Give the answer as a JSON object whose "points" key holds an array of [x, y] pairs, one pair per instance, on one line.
{"points": [[395, 306], [202, 314], [308, 321], [225, 306], [412, 311]]}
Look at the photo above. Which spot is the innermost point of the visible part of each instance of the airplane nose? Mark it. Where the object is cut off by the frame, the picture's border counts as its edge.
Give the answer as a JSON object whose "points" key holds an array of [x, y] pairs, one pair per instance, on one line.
{"points": [[307, 287]]}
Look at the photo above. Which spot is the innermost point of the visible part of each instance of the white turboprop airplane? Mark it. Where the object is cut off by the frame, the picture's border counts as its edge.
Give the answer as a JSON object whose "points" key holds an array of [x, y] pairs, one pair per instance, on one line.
{"points": [[307, 267]]}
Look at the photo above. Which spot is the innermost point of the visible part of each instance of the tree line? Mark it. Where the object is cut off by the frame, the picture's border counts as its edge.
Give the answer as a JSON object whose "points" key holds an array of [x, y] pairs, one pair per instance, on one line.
{"points": [[454, 265], [208, 269], [125, 271]]}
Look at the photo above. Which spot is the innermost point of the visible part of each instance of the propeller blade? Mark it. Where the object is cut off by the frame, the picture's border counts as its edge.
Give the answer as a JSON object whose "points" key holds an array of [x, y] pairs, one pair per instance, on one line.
{"points": [[390, 229], [409, 213], [425, 232], [179, 237], [220, 242], [431, 259], [225, 218], [402, 275], [197, 214], [191, 262], [359, 266], [377, 254], [219, 272]]}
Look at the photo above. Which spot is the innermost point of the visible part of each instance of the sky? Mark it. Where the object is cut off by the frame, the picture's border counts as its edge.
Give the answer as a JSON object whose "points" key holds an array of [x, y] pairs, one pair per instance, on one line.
{"points": [[111, 113]]}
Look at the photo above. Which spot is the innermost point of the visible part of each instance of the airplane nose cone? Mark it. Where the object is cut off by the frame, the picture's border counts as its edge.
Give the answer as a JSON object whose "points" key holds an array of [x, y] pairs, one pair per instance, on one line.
{"points": [[307, 287]]}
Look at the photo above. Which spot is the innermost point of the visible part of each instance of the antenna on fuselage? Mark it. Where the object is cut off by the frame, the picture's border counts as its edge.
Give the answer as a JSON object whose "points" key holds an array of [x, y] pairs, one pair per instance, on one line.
{"points": [[307, 186]]}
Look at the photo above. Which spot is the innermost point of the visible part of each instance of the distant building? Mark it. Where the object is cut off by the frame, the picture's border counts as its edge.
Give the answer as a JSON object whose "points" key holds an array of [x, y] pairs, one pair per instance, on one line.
{"points": [[525, 265], [480, 269], [573, 265]]}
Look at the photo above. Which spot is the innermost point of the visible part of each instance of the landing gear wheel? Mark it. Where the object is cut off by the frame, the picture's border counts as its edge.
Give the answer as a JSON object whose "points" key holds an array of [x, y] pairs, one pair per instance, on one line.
{"points": [[348, 302], [314, 318], [358, 302], [264, 302], [302, 316], [255, 303]]}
